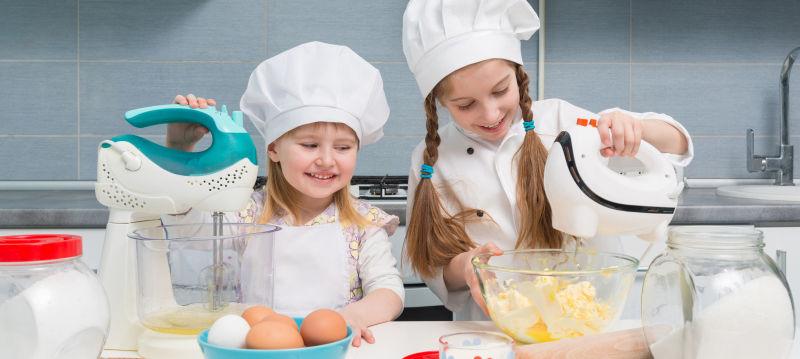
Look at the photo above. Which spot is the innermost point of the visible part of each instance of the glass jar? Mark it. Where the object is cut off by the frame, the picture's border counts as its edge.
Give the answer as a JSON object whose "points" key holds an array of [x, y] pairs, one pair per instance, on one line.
{"points": [[714, 294], [51, 304]]}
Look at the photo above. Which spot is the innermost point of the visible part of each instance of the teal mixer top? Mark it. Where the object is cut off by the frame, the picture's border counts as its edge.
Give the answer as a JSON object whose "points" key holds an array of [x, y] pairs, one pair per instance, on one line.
{"points": [[230, 141]]}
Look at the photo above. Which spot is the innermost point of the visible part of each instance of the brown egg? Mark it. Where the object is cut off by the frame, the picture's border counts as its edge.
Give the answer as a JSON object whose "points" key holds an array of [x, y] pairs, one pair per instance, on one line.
{"points": [[273, 335], [281, 318], [323, 326], [256, 314]]}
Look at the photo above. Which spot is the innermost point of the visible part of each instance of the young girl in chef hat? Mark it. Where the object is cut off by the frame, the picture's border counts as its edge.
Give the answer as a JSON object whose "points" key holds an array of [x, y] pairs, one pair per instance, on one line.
{"points": [[316, 105], [476, 184]]}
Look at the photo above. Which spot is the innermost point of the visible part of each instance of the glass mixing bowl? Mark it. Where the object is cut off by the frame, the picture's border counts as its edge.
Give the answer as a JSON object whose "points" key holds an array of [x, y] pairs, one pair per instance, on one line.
{"points": [[540, 295], [190, 275]]}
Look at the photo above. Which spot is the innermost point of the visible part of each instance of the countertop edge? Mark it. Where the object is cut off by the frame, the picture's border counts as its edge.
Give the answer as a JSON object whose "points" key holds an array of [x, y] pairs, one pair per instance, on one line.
{"points": [[80, 209]]}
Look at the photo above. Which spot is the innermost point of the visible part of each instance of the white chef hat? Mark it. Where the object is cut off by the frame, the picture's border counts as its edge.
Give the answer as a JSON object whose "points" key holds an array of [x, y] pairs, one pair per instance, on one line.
{"points": [[441, 36], [316, 82]]}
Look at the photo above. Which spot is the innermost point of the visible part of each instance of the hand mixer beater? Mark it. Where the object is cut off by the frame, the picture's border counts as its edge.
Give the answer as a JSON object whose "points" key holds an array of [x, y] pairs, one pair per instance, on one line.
{"points": [[218, 268]]}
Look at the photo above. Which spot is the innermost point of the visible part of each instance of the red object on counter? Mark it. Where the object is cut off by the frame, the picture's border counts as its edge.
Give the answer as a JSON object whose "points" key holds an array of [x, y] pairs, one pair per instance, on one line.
{"points": [[423, 355], [39, 247]]}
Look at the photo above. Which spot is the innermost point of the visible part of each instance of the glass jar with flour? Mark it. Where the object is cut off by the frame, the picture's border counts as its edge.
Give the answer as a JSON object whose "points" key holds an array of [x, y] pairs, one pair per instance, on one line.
{"points": [[714, 294], [51, 304]]}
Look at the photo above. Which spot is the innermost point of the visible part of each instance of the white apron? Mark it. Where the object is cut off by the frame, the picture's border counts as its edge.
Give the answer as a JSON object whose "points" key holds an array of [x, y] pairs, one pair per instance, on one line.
{"points": [[301, 269]]}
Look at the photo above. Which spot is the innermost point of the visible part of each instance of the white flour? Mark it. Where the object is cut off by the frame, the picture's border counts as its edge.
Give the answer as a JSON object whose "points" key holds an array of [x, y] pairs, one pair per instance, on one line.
{"points": [[63, 316], [753, 322]]}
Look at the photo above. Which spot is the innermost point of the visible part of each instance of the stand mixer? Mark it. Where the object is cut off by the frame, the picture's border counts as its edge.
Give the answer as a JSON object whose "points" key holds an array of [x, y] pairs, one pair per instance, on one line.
{"points": [[587, 198], [138, 181]]}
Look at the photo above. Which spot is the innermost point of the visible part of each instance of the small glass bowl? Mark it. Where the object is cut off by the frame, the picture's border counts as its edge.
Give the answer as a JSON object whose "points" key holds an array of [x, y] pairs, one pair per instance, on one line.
{"points": [[471, 345]]}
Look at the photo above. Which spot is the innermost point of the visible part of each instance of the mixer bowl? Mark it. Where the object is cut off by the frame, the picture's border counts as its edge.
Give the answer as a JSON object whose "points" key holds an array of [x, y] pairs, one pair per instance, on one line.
{"points": [[540, 295], [189, 275]]}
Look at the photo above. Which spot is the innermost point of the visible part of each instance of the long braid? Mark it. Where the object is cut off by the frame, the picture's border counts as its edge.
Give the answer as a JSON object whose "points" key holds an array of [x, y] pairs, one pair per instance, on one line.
{"points": [[536, 229], [434, 237], [525, 102], [432, 139]]}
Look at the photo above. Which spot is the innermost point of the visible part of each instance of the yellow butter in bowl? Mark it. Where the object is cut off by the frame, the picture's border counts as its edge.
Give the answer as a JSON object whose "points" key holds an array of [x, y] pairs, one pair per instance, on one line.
{"points": [[544, 295]]}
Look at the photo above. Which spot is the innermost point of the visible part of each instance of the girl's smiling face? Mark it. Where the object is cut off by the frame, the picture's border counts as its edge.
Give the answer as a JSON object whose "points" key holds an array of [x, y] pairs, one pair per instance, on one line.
{"points": [[482, 98], [317, 159]]}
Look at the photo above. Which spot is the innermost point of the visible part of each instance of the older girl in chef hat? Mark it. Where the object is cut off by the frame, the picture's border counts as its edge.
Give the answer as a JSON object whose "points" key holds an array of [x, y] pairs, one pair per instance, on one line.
{"points": [[476, 184], [316, 105]]}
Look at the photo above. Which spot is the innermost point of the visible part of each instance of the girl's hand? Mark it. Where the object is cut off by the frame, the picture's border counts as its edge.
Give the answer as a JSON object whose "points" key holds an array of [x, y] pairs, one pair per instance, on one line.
{"points": [[183, 135], [620, 133], [359, 329], [469, 272]]}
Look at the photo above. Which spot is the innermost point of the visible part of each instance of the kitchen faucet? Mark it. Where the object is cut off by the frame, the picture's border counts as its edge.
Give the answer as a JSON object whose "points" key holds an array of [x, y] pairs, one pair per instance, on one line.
{"points": [[783, 163]]}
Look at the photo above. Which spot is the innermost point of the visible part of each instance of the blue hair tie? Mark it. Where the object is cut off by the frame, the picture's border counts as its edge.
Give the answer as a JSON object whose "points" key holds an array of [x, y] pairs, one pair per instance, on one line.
{"points": [[426, 171], [528, 125]]}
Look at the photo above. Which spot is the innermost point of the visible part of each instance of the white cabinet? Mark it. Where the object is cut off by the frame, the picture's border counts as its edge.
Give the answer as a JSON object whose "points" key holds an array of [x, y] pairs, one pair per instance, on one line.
{"points": [[92, 240]]}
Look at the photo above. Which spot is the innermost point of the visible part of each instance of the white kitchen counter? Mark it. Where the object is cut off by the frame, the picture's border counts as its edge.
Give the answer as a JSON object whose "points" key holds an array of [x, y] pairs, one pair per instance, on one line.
{"points": [[398, 339]]}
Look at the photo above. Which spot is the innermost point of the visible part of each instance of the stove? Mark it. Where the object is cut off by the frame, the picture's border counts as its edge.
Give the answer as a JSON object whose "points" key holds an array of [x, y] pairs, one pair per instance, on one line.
{"points": [[379, 187], [371, 188], [389, 193]]}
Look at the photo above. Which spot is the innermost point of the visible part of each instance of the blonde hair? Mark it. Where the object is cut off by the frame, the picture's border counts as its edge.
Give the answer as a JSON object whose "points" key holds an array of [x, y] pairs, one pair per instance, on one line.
{"points": [[434, 236], [283, 199]]}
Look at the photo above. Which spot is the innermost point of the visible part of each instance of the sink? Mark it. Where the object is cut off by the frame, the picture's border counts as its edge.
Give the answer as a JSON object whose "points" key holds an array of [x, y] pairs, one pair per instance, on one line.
{"points": [[765, 192]]}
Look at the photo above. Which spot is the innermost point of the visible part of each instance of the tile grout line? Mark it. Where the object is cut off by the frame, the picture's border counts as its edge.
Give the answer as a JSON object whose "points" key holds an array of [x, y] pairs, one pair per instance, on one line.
{"points": [[158, 136], [91, 136], [668, 63], [266, 31], [630, 55], [34, 61], [393, 62], [119, 61], [78, 104]]}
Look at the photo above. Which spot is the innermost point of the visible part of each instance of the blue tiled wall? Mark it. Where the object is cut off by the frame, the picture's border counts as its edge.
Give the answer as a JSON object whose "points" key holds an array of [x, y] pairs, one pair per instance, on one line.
{"points": [[69, 69]]}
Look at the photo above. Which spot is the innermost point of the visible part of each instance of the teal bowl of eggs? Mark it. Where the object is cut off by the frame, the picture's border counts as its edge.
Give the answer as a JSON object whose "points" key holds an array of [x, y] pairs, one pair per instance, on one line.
{"points": [[282, 343]]}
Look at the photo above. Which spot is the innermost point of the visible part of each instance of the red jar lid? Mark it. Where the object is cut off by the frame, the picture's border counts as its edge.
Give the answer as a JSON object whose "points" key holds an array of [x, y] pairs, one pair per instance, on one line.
{"points": [[423, 355], [39, 247]]}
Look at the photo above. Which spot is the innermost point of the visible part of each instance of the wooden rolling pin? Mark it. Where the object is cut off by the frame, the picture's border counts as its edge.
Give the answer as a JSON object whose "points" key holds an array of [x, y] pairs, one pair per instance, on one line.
{"points": [[624, 344]]}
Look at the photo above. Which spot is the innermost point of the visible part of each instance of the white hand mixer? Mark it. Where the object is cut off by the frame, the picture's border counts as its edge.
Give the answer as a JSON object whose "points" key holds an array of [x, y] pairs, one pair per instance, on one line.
{"points": [[587, 198], [139, 180]]}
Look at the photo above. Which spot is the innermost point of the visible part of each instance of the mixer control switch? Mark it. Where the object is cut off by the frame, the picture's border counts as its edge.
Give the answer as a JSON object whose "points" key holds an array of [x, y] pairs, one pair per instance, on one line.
{"points": [[132, 162]]}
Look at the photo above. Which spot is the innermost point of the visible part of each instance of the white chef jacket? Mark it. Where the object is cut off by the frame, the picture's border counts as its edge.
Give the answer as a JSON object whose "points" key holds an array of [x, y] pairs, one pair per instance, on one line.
{"points": [[482, 175]]}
